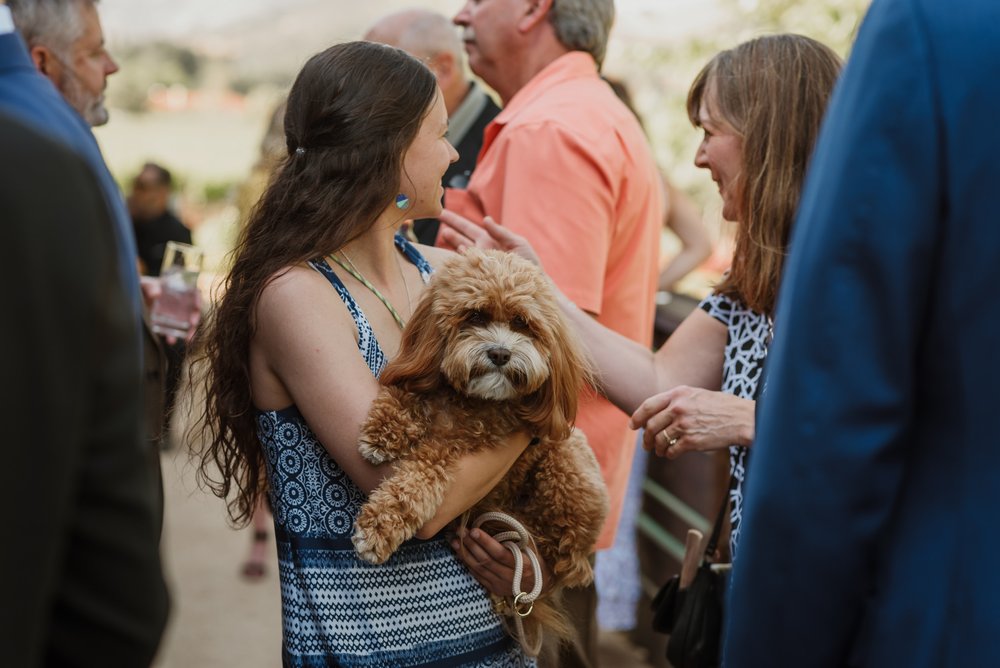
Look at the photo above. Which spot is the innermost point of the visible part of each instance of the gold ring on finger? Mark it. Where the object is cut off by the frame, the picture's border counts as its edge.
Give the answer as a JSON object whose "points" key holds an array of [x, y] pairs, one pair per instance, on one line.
{"points": [[499, 604]]}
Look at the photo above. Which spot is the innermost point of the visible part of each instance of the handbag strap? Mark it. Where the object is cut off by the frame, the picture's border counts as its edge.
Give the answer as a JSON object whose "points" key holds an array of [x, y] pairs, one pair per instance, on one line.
{"points": [[713, 540]]}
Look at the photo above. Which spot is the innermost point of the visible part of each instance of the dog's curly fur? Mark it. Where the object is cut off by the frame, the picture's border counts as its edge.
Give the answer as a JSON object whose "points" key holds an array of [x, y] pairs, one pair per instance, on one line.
{"points": [[487, 353]]}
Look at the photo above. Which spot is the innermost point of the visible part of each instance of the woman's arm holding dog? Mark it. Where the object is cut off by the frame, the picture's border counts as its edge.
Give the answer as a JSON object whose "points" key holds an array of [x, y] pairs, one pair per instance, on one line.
{"points": [[316, 366], [475, 476]]}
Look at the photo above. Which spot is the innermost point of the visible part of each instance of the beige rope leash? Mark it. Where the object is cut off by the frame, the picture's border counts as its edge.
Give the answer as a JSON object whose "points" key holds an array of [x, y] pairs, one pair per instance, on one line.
{"points": [[516, 541]]}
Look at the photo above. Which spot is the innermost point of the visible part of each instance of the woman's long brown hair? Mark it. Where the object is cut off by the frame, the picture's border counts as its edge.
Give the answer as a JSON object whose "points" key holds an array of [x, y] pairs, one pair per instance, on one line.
{"points": [[773, 91], [352, 112]]}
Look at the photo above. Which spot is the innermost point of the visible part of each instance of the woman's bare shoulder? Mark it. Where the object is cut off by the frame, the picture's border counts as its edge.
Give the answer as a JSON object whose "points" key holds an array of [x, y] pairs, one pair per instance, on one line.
{"points": [[288, 282], [293, 292]]}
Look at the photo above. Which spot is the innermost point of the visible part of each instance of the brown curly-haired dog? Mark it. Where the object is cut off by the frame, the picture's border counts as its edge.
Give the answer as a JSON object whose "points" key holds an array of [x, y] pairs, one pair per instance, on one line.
{"points": [[487, 353]]}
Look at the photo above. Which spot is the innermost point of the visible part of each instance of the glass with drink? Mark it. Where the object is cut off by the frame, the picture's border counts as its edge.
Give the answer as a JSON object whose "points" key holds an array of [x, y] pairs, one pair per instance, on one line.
{"points": [[171, 312]]}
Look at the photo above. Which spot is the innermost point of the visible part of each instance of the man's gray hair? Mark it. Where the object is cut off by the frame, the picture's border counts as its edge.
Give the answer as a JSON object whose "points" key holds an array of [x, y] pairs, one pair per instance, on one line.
{"points": [[583, 25], [53, 23]]}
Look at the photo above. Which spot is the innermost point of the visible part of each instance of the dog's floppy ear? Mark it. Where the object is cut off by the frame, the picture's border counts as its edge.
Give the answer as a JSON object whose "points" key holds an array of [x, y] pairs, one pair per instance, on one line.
{"points": [[552, 408], [417, 366]]}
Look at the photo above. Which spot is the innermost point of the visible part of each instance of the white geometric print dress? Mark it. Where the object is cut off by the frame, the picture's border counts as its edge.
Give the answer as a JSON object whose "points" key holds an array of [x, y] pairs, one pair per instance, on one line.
{"points": [[749, 335], [420, 608]]}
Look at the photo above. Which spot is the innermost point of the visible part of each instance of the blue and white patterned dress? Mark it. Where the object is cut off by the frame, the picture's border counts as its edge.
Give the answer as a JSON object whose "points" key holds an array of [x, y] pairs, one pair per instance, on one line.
{"points": [[420, 608], [749, 335]]}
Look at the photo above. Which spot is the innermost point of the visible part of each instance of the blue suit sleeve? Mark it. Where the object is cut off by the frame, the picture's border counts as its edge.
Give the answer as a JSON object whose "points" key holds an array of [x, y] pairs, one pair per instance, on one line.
{"points": [[827, 463]]}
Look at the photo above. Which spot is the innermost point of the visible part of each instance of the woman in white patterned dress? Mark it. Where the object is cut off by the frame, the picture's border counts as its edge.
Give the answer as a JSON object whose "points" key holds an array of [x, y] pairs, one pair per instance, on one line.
{"points": [[320, 287], [760, 105]]}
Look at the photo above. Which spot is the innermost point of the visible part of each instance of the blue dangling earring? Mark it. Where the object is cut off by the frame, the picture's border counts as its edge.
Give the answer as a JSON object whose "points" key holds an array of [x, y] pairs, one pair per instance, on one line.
{"points": [[402, 201]]}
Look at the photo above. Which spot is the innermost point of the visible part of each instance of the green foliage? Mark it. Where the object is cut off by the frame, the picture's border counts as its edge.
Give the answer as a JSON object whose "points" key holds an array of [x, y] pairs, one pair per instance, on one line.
{"points": [[833, 22], [146, 65], [217, 191], [246, 83]]}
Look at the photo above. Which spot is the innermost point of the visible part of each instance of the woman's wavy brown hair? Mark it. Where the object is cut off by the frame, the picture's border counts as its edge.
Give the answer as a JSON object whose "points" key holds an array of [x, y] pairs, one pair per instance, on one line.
{"points": [[773, 91], [352, 112]]}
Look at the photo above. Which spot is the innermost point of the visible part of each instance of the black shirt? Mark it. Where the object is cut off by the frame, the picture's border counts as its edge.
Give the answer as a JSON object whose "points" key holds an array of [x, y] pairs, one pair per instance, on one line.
{"points": [[151, 237]]}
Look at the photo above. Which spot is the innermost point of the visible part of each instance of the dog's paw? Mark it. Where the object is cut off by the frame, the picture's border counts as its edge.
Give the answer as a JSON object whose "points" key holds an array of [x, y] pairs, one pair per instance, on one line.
{"points": [[373, 453], [367, 548], [370, 543]]}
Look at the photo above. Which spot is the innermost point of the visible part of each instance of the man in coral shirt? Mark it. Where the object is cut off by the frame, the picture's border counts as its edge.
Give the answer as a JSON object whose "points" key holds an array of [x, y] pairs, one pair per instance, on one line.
{"points": [[566, 165]]}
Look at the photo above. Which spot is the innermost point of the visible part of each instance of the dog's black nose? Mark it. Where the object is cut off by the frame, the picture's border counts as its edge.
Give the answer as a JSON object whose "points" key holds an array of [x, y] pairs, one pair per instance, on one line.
{"points": [[499, 356]]}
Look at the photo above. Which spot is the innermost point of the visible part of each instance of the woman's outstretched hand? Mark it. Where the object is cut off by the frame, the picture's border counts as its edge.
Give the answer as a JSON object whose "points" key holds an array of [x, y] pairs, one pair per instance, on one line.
{"points": [[459, 233], [687, 419]]}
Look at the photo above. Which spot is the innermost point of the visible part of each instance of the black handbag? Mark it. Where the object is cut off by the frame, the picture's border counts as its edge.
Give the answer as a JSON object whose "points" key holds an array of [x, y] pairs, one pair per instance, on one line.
{"points": [[693, 615]]}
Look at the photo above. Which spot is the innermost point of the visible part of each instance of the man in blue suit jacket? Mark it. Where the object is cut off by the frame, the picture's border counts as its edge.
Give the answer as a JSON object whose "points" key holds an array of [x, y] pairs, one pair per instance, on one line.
{"points": [[66, 43], [869, 536], [31, 98]]}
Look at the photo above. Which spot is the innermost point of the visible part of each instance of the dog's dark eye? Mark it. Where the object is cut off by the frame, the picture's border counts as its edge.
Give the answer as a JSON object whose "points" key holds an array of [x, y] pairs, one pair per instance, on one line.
{"points": [[519, 323], [476, 317]]}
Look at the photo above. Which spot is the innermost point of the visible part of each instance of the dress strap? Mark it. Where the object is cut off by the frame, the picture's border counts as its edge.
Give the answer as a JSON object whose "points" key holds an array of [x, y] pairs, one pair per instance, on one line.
{"points": [[413, 255], [367, 343]]}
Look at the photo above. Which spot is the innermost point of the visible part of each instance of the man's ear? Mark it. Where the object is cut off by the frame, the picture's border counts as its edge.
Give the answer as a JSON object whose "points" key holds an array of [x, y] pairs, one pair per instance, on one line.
{"points": [[536, 11], [443, 65], [44, 60]]}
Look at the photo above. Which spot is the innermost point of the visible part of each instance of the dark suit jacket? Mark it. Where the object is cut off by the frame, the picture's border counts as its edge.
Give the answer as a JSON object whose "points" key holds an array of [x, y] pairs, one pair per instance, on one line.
{"points": [[154, 410], [80, 569], [869, 535], [32, 99]]}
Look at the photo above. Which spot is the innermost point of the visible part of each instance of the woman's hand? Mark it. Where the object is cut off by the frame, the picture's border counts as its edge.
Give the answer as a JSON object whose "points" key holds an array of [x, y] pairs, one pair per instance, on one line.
{"points": [[460, 233], [152, 289], [492, 564], [686, 418]]}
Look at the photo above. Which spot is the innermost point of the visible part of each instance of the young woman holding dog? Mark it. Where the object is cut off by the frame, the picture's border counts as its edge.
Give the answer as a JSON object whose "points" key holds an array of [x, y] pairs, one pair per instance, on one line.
{"points": [[320, 287], [760, 106]]}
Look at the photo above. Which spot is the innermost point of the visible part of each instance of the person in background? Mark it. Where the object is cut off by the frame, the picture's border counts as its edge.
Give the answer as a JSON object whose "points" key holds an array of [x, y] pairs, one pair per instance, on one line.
{"points": [[154, 225], [870, 528], [681, 217], [431, 37], [152, 220]]}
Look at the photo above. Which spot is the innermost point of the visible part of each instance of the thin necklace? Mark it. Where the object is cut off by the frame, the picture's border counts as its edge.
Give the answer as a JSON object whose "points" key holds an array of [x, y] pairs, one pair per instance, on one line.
{"points": [[351, 269]]}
